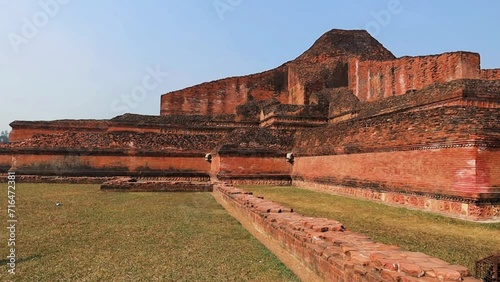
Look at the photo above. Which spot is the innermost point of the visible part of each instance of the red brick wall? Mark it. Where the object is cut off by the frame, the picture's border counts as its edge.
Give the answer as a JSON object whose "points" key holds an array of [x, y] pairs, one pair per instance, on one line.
{"points": [[133, 129], [214, 167], [254, 165], [195, 164], [50, 164], [5, 161], [223, 96], [450, 171], [437, 127], [296, 88], [26, 129], [19, 134], [374, 80], [155, 186], [258, 170], [219, 97], [490, 74], [488, 168]]}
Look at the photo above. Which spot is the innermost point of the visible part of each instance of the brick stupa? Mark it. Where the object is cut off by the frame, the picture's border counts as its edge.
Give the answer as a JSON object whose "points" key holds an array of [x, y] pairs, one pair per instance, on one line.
{"points": [[421, 132]]}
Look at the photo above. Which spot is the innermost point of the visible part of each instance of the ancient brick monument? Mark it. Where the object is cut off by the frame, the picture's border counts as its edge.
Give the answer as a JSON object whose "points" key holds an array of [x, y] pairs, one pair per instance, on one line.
{"points": [[346, 116]]}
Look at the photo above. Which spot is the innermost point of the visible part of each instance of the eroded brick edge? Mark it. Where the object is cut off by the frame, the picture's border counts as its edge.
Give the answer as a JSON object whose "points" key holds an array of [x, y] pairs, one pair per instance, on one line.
{"points": [[325, 247]]}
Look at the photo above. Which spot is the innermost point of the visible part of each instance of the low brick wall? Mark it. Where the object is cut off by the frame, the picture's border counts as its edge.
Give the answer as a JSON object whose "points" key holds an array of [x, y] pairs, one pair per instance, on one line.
{"points": [[333, 253], [453, 206], [270, 180], [156, 186], [57, 179]]}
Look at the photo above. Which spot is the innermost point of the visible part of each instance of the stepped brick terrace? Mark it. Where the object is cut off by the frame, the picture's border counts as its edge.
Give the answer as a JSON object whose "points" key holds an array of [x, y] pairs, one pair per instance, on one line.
{"points": [[346, 116]]}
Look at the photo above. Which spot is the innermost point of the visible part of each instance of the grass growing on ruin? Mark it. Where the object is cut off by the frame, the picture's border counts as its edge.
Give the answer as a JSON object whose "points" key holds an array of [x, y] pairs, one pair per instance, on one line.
{"points": [[99, 236], [453, 240]]}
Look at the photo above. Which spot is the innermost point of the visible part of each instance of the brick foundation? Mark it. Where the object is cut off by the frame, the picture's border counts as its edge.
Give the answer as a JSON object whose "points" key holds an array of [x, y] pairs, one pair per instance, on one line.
{"points": [[333, 253], [268, 180], [99, 180], [442, 204], [57, 179]]}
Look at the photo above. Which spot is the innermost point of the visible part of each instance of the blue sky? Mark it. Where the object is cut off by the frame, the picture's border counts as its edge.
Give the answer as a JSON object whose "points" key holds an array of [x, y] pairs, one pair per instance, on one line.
{"points": [[81, 59]]}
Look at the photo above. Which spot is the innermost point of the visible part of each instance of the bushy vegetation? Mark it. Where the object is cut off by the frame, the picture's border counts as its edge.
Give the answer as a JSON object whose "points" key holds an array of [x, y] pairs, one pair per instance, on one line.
{"points": [[4, 136]]}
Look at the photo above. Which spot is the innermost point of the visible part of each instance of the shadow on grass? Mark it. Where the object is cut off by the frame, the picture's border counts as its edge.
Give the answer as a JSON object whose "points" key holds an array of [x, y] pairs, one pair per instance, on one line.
{"points": [[21, 260]]}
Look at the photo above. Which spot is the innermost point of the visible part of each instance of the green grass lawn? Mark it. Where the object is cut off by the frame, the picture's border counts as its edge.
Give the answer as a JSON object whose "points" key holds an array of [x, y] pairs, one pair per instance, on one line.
{"points": [[453, 240], [99, 236]]}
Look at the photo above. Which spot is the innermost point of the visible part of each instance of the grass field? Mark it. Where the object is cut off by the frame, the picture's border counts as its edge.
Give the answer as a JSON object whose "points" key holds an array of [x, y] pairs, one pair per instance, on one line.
{"points": [[452, 240], [98, 236]]}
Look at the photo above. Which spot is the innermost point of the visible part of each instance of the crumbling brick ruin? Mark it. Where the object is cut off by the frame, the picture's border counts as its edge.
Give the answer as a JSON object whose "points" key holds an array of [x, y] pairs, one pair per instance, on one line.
{"points": [[330, 251], [352, 118]]}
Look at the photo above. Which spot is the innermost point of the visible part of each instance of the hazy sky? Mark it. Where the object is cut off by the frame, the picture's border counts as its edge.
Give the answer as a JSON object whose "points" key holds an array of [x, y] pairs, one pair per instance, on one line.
{"points": [[97, 59]]}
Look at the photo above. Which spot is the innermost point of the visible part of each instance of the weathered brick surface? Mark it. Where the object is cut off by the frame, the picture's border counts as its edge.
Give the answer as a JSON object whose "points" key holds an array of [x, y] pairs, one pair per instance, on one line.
{"points": [[374, 80], [323, 65], [491, 74], [334, 253], [111, 153], [441, 163], [121, 140], [57, 179], [456, 206], [103, 164], [174, 124], [431, 128], [453, 171], [177, 122], [463, 92], [22, 130], [254, 156], [488, 167], [254, 165], [5, 160], [223, 96], [120, 185], [255, 140]]}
